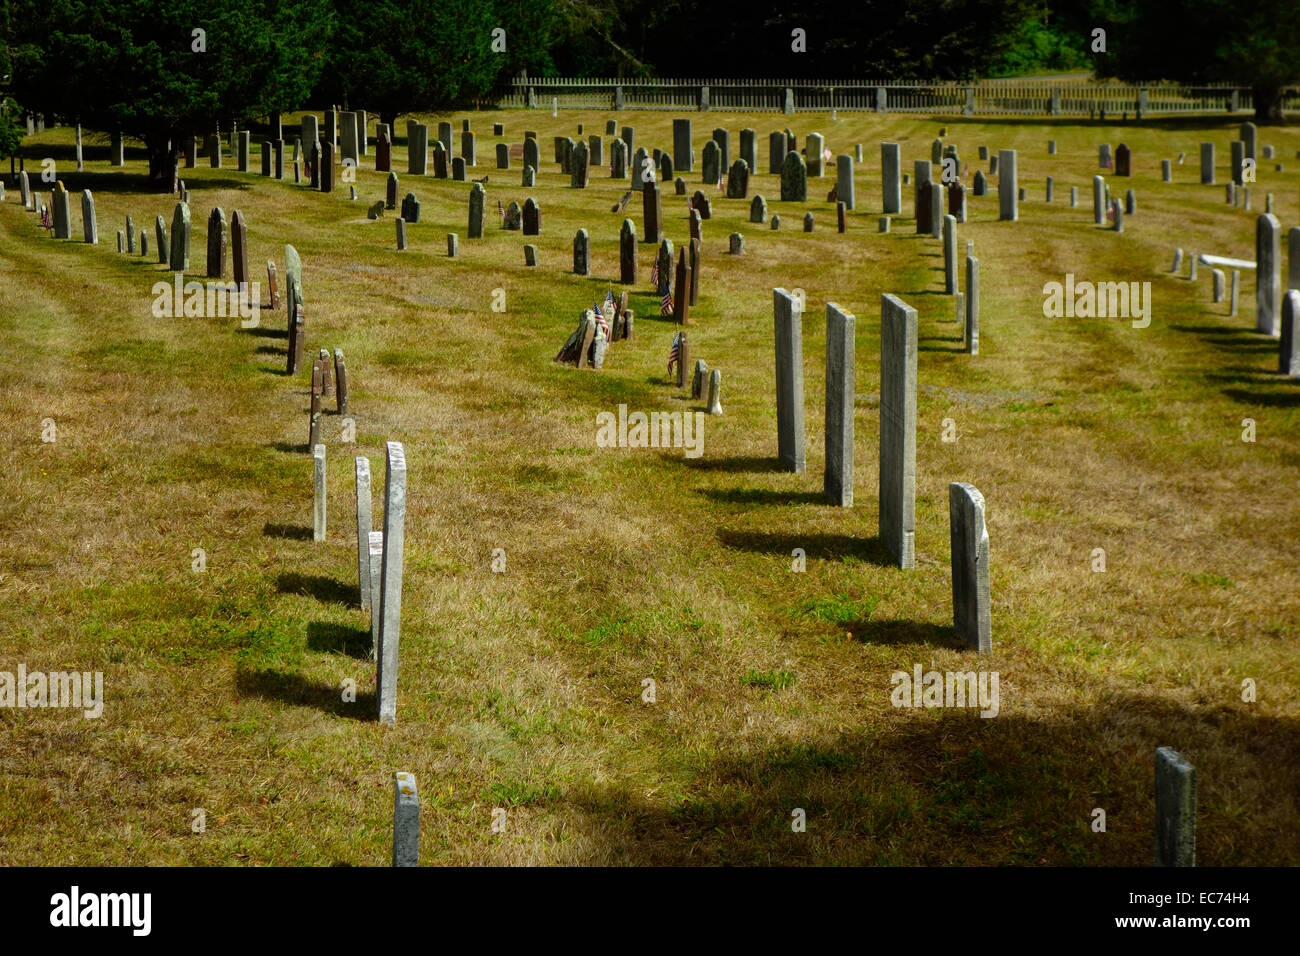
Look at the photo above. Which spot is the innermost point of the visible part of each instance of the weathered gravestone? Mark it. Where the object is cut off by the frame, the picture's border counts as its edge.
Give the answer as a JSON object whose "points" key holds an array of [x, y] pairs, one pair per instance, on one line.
{"points": [[1249, 139], [840, 360], [694, 248], [406, 820], [477, 200], [970, 567], [1175, 809], [682, 289], [513, 218], [417, 148], [1008, 194], [383, 148], [89, 224], [180, 244], [682, 158], [971, 335], [411, 208], [738, 180], [627, 253], [788, 324], [1268, 274], [1207, 164], [532, 155], [581, 253], [898, 429], [758, 209], [578, 171], [595, 150], [794, 179], [390, 607]]}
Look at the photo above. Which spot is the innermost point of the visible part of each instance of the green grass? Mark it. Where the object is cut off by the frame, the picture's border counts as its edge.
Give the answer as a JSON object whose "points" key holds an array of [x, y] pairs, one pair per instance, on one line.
{"points": [[522, 691]]}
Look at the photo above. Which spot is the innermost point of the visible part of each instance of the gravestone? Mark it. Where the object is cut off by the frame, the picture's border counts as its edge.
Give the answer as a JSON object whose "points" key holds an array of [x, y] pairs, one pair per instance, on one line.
{"points": [[1175, 809], [1249, 139], [1122, 160], [406, 820], [530, 255], [788, 321], [1130, 202], [327, 167], [596, 150], [701, 204], [844, 180], [921, 195], [652, 212], [950, 255], [62, 211], [375, 555], [723, 139], [898, 429], [936, 152], [1207, 164], [1288, 362], [444, 136], [699, 379], [628, 135], [180, 244], [411, 208], [1268, 274], [1103, 156], [376, 209], [808, 222], [682, 290], [664, 266], [682, 158], [643, 170], [513, 219], [737, 243], [239, 251], [214, 152], [458, 169], [979, 185], [794, 179], [841, 220], [164, 247], [776, 221], [319, 502], [390, 194], [1047, 192], [1293, 257], [272, 289], [679, 186], [503, 156], [738, 180], [390, 607], [529, 178], [627, 253], [694, 250], [242, 141], [279, 159], [401, 233], [417, 149], [1238, 161], [749, 148], [972, 332], [89, 224], [468, 148], [340, 383], [814, 144], [617, 159], [581, 253], [840, 361], [776, 150], [477, 199], [578, 172], [1007, 194], [710, 167], [1098, 200], [1117, 215], [758, 209], [532, 217], [957, 201], [532, 155], [935, 193], [267, 149], [715, 392], [970, 567]]}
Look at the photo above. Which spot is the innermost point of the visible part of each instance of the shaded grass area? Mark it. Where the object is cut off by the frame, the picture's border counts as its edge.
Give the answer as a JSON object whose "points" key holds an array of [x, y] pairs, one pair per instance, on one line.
{"points": [[246, 689]]}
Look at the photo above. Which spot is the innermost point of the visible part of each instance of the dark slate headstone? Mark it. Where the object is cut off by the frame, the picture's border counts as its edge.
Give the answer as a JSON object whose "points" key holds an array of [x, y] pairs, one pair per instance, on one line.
{"points": [[477, 200], [1123, 160], [794, 179], [627, 253], [738, 180], [581, 253], [758, 209], [390, 199], [503, 156], [711, 166], [458, 169], [532, 217], [216, 244], [776, 153], [513, 218], [652, 212]]}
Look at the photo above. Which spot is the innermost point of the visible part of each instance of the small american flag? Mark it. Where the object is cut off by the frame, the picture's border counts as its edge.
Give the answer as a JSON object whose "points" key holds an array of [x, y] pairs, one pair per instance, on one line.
{"points": [[654, 275], [45, 218], [666, 307], [609, 300], [602, 323], [719, 180], [675, 352], [500, 208]]}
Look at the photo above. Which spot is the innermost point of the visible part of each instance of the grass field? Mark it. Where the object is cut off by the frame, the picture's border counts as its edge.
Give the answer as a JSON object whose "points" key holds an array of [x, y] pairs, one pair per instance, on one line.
{"points": [[522, 690]]}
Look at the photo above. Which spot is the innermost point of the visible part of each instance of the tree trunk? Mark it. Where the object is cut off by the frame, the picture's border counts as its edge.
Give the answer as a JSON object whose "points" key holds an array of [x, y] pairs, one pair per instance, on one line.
{"points": [[1268, 106], [391, 120], [162, 161]]}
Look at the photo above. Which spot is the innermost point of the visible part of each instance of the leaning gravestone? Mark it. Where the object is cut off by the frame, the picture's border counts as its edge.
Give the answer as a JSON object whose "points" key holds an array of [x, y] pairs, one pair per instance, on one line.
{"points": [[898, 429], [970, 566], [1207, 164], [794, 179], [789, 379], [838, 482]]}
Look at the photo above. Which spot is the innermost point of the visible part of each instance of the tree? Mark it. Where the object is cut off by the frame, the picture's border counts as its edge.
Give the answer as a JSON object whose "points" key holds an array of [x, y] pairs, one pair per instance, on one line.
{"points": [[161, 71], [1204, 41], [400, 56], [11, 133]]}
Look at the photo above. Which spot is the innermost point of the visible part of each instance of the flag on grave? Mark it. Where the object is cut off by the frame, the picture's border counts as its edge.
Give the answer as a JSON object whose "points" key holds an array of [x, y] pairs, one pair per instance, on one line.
{"points": [[501, 209], [654, 275], [602, 323], [667, 307], [674, 354], [719, 180]]}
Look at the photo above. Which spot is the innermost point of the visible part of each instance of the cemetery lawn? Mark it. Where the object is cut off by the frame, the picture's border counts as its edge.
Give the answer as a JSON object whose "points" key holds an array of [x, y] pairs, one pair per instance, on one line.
{"points": [[523, 690]]}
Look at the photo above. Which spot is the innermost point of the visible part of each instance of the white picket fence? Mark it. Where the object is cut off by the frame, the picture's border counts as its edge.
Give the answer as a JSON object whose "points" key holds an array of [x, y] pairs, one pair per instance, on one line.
{"points": [[1066, 97]]}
